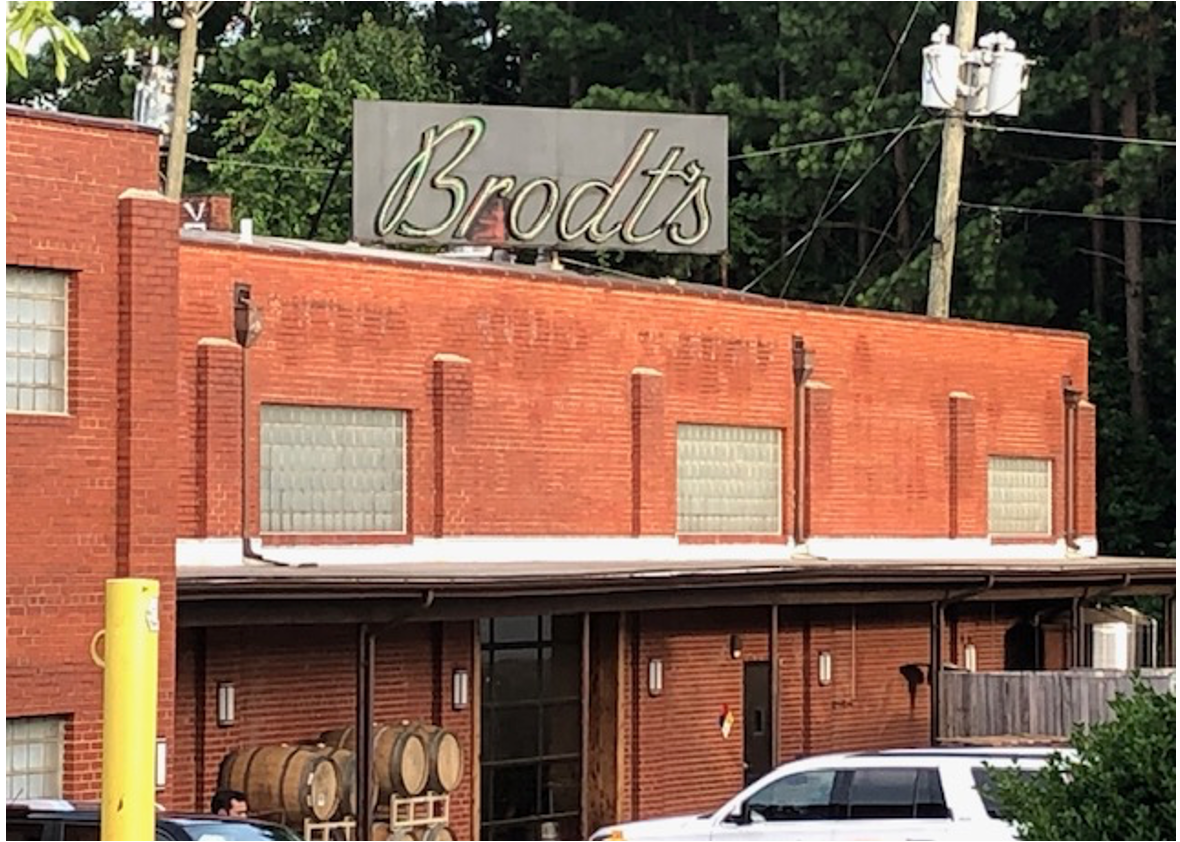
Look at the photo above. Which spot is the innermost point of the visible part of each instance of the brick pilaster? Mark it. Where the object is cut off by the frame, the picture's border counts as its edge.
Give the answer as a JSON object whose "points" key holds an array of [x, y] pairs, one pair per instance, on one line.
{"points": [[653, 486], [817, 460], [967, 480], [147, 431], [451, 399], [219, 438]]}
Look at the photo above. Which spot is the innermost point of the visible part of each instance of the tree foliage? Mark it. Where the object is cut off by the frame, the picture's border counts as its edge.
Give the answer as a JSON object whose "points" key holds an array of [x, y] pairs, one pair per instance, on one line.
{"points": [[27, 20], [1120, 785]]}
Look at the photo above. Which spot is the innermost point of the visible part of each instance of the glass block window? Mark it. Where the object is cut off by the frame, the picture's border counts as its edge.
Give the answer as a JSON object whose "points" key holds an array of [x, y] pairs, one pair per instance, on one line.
{"points": [[33, 746], [36, 340], [1019, 496], [328, 469], [728, 480]]}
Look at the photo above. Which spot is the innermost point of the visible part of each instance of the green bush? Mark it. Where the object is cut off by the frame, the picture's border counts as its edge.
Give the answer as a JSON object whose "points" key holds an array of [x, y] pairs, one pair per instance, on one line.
{"points": [[1120, 784]]}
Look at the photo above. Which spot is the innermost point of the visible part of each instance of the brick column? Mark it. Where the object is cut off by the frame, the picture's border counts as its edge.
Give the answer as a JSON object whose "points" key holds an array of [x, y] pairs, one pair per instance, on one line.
{"points": [[219, 438], [146, 471], [451, 399], [1086, 495], [652, 481], [817, 459], [967, 480]]}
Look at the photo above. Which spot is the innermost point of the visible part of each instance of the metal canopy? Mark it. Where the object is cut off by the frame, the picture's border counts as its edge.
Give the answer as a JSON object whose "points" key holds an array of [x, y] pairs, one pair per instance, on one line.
{"points": [[379, 593]]}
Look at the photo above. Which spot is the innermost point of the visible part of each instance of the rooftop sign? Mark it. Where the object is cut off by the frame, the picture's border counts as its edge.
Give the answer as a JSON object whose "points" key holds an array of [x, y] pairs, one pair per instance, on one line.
{"points": [[529, 177]]}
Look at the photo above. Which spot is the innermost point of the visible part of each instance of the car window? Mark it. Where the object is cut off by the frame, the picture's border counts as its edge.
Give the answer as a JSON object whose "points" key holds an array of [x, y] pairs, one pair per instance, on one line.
{"points": [[806, 795], [896, 793], [80, 831], [23, 830], [211, 829], [983, 785]]}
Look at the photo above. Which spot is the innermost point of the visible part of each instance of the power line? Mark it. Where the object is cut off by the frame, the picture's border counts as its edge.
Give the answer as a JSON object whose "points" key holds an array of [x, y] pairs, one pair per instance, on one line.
{"points": [[826, 213], [840, 170], [828, 141], [1019, 209], [884, 228], [1110, 138], [919, 244], [242, 162], [893, 58]]}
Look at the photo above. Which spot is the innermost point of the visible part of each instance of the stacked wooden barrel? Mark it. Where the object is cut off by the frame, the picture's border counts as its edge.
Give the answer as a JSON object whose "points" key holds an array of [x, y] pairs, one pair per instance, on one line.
{"points": [[318, 781], [291, 781]]}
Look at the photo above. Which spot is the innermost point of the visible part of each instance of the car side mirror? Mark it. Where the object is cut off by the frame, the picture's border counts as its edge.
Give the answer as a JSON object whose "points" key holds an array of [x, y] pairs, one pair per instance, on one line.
{"points": [[741, 816]]}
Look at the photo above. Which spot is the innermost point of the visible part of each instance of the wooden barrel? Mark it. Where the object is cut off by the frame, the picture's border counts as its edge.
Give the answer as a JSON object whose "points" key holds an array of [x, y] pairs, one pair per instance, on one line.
{"points": [[436, 832], [399, 758], [399, 834], [380, 832], [290, 780], [345, 762], [444, 758]]}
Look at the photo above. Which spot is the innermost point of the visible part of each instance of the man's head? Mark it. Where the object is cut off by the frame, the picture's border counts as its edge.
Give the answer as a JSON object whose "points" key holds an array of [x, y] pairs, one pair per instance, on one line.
{"points": [[229, 802]]}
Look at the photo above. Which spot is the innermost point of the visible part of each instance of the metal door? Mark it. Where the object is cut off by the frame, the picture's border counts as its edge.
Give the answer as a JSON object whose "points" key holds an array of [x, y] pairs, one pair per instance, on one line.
{"points": [[757, 719]]}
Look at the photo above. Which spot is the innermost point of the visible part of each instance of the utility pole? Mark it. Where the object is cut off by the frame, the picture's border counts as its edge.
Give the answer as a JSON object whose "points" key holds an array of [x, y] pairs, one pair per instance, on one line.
{"points": [[950, 171], [189, 18]]}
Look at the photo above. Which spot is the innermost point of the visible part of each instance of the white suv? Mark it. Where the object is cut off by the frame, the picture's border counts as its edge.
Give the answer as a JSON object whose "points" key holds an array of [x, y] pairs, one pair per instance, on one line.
{"points": [[900, 794]]}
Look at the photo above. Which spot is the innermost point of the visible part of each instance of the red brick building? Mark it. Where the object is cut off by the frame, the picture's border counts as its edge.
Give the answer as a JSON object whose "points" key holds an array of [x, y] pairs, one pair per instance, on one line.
{"points": [[616, 510]]}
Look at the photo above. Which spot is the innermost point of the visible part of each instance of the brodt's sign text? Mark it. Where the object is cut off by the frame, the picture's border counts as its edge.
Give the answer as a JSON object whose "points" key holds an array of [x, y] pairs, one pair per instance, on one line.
{"points": [[538, 177]]}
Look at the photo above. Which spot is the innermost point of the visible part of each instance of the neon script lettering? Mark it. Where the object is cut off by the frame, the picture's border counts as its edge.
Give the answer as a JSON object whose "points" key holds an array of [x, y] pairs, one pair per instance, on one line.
{"points": [[503, 208]]}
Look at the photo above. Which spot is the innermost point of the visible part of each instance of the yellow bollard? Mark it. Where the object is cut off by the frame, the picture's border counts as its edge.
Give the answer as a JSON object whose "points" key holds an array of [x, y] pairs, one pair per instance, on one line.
{"points": [[131, 675]]}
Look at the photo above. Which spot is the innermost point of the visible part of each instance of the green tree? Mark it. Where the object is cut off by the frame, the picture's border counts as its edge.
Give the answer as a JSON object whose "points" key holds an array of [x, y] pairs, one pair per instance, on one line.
{"points": [[25, 22], [282, 153], [1120, 785]]}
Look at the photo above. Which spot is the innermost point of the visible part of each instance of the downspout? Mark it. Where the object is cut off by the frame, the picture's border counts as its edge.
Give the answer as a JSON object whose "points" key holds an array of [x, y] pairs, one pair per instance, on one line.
{"points": [[937, 621], [1072, 397], [775, 737], [802, 363], [247, 329]]}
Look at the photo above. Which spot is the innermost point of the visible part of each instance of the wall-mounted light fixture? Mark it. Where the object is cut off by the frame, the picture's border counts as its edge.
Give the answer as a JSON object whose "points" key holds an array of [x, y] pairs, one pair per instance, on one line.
{"points": [[735, 646], [969, 657], [460, 689], [655, 676], [825, 668], [225, 704], [161, 763]]}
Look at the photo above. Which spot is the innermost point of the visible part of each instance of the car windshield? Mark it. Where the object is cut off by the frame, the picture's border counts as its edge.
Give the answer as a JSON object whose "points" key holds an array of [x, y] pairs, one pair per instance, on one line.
{"points": [[212, 829]]}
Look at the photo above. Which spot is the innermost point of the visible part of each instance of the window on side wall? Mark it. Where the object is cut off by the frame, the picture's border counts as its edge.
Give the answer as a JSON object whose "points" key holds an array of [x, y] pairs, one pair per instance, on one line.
{"points": [[728, 480], [1019, 496], [33, 748], [333, 470], [35, 331]]}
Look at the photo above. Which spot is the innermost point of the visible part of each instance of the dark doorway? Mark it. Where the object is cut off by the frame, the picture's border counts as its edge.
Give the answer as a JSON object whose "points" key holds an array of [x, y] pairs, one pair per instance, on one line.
{"points": [[530, 763], [1020, 647], [757, 719]]}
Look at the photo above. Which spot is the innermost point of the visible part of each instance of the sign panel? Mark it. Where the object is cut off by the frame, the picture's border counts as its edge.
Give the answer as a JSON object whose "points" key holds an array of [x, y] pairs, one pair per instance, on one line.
{"points": [[539, 177]]}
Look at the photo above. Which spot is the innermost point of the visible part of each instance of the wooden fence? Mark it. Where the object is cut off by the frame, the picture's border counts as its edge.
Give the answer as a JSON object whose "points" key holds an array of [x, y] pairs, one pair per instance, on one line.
{"points": [[981, 705]]}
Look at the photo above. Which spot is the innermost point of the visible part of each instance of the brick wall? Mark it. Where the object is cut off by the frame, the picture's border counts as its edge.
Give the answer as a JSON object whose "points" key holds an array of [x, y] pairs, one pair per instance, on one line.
{"points": [[66, 529], [879, 695], [290, 686], [540, 435]]}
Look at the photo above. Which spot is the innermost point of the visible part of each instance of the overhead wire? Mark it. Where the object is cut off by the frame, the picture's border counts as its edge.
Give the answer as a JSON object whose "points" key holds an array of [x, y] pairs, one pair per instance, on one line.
{"points": [[885, 228], [840, 170], [826, 213], [827, 141], [1106, 138], [893, 58], [1028, 211]]}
